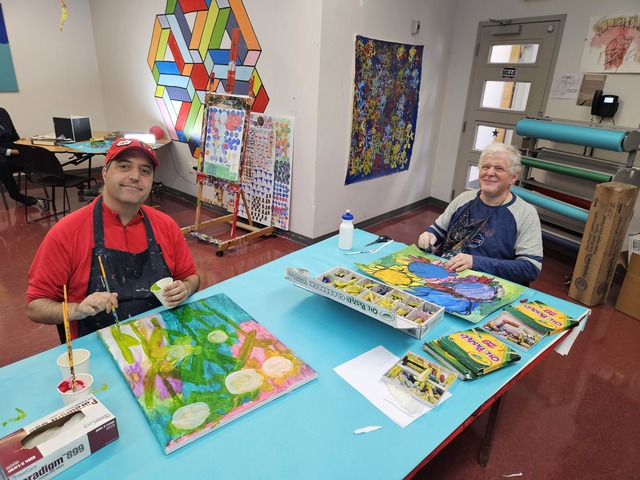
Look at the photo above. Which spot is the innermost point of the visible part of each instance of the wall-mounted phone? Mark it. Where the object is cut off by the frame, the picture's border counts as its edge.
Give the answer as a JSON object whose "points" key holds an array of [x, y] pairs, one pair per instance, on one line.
{"points": [[604, 105]]}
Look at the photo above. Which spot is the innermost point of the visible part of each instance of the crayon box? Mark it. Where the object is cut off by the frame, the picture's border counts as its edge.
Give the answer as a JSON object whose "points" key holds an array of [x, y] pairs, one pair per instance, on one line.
{"points": [[400, 310], [54, 443]]}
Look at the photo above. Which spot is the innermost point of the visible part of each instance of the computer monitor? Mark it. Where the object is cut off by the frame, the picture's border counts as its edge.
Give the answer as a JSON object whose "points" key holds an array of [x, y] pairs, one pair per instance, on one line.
{"points": [[73, 129]]}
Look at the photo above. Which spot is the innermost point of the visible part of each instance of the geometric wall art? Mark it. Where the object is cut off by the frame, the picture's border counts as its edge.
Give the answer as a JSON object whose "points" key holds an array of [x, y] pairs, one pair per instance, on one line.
{"points": [[191, 41]]}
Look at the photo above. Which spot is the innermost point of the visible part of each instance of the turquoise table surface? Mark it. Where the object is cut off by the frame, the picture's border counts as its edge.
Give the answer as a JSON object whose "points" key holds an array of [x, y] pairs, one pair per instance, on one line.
{"points": [[308, 433]]}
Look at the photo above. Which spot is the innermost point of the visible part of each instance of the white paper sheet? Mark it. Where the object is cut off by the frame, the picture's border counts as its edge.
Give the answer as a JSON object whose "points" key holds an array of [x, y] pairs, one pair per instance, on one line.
{"points": [[364, 373]]}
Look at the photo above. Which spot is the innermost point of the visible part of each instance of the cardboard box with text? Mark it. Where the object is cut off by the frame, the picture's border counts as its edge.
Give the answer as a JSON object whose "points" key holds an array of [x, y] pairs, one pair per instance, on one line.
{"points": [[604, 235]]}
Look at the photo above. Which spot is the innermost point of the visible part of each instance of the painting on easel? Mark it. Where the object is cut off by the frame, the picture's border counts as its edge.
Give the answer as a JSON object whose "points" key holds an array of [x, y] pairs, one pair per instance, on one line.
{"points": [[224, 136], [468, 294], [201, 365]]}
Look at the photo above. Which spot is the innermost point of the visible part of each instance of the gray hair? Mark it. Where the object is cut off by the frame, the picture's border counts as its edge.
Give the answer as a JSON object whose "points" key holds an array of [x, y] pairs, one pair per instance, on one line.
{"points": [[502, 148]]}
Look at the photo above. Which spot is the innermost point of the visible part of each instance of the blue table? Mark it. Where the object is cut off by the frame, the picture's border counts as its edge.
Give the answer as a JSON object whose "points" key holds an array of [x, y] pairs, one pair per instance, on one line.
{"points": [[307, 434]]}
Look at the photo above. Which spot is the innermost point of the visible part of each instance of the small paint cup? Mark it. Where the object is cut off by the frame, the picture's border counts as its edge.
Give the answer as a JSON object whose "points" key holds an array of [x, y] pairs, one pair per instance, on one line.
{"points": [[80, 362], [84, 382], [157, 287]]}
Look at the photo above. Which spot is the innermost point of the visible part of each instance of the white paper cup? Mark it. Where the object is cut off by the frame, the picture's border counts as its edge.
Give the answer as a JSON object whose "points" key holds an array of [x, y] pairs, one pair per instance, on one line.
{"points": [[80, 362], [84, 382], [157, 287]]}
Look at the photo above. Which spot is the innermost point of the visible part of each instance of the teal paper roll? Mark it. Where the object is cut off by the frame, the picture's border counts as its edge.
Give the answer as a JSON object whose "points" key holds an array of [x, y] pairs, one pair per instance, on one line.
{"points": [[574, 134], [562, 208]]}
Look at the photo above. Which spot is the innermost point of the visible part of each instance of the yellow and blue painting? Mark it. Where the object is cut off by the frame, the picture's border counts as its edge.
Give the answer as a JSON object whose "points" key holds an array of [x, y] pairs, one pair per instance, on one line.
{"points": [[201, 365], [385, 108], [468, 294]]}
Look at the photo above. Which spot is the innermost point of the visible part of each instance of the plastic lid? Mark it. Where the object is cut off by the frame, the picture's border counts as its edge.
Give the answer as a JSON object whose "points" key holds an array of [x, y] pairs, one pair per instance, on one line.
{"points": [[347, 215]]}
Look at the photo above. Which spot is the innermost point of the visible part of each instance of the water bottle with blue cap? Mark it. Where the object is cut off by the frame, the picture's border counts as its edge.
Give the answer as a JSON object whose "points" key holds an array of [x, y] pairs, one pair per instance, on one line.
{"points": [[345, 236]]}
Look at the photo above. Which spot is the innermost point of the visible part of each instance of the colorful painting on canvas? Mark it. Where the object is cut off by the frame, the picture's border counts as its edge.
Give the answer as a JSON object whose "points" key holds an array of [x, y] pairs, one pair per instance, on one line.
{"points": [[8, 82], [201, 365], [224, 136], [469, 294], [385, 108]]}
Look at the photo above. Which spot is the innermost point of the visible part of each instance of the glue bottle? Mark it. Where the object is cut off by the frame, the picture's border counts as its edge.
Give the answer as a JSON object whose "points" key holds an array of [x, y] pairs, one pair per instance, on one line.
{"points": [[345, 237]]}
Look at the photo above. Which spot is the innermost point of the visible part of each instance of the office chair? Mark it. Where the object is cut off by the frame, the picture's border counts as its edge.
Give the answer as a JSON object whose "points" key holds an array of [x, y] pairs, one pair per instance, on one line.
{"points": [[42, 167]]}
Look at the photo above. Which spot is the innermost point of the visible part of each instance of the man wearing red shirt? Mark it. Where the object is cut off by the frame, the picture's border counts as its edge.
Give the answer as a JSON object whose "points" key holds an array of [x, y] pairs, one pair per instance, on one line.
{"points": [[137, 245]]}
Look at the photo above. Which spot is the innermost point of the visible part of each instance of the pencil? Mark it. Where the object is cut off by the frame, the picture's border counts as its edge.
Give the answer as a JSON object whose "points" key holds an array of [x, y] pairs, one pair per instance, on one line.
{"points": [[67, 334], [106, 284]]}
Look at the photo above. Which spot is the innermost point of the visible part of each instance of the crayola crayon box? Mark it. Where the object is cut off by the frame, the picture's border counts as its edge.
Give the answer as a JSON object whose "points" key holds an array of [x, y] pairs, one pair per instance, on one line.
{"points": [[471, 353], [543, 317], [423, 379], [54, 443], [405, 312]]}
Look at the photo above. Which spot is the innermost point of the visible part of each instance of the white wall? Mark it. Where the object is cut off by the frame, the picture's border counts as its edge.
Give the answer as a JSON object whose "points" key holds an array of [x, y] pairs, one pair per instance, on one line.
{"points": [[97, 66], [385, 20], [57, 71]]}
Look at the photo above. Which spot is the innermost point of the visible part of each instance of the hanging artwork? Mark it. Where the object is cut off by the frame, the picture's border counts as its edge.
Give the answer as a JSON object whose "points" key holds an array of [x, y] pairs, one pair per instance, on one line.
{"points": [[224, 136], [385, 108], [266, 181], [191, 41], [8, 82], [612, 44], [199, 366], [468, 294]]}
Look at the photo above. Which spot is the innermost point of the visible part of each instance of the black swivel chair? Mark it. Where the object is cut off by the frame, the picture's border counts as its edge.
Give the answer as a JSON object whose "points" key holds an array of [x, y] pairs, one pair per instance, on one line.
{"points": [[42, 167]]}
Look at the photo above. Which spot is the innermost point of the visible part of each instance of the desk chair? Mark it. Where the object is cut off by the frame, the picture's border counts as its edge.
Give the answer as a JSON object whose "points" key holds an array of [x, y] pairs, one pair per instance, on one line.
{"points": [[42, 167]]}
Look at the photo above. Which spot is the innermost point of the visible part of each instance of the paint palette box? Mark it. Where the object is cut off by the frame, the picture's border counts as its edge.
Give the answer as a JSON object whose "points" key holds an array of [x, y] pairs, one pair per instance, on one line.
{"points": [[54, 443], [401, 310], [423, 379]]}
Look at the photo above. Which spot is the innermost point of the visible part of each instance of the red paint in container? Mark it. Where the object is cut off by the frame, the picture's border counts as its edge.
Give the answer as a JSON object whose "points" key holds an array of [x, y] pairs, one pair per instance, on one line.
{"points": [[66, 385]]}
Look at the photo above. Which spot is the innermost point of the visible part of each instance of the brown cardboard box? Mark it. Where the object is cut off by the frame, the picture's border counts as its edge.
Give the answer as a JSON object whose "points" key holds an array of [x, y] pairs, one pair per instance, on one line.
{"points": [[604, 234], [629, 297]]}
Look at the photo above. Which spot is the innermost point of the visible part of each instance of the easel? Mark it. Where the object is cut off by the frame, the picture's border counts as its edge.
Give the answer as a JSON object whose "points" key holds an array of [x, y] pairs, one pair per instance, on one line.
{"points": [[233, 187]]}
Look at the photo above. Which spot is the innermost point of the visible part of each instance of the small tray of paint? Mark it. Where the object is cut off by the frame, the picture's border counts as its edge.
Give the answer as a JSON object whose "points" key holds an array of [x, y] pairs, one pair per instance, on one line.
{"points": [[401, 310], [424, 379]]}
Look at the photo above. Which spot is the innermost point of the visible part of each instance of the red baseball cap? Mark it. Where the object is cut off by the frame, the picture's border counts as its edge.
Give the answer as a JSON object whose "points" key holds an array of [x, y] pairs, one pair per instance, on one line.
{"points": [[121, 145]]}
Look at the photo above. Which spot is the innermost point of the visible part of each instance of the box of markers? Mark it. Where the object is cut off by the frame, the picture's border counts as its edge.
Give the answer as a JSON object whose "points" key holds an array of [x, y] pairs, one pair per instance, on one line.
{"points": [[425, 380], [398, 309], [57, 441]]}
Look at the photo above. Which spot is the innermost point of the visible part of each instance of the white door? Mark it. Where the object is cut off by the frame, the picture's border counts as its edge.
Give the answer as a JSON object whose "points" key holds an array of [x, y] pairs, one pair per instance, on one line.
{"points": [[511, 78]]}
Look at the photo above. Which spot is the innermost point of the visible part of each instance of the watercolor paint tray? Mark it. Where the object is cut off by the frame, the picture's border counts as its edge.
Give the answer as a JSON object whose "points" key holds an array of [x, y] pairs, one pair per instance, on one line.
{"points": [[401, 310], [423, 379]]}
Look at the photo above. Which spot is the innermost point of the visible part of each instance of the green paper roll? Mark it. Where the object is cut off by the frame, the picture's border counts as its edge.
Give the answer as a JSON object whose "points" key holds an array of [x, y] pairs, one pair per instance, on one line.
{"points": [[553, 205], [574, 134], [566, 170]]}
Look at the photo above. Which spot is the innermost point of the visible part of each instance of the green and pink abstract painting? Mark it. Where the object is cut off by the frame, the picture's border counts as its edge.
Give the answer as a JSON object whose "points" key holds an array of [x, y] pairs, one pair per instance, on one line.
{"points": [[201, 365]]}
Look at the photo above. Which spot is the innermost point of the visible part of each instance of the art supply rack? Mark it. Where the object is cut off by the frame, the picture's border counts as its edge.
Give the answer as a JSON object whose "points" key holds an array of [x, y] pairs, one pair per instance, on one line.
{"points": [[221, 184]]}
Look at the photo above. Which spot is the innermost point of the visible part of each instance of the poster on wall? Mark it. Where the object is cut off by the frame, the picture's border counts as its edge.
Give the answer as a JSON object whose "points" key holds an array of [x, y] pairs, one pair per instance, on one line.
{"points": [[8, 82], [612, 44], [385, 108]]}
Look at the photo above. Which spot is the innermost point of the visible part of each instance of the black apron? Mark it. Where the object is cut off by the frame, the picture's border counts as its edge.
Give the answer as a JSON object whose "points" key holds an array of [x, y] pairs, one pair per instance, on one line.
{"points": [[130, 275]]}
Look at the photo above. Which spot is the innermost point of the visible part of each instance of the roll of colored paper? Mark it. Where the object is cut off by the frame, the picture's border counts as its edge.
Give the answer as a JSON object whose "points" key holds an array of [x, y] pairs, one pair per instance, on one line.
{"points": [[566, 170], [574, 134], [562, 208]]}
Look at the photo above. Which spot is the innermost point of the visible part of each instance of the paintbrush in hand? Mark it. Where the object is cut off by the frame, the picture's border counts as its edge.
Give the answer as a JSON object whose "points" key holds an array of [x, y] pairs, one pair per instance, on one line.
{"points": [[67, 334], [106, 284]]}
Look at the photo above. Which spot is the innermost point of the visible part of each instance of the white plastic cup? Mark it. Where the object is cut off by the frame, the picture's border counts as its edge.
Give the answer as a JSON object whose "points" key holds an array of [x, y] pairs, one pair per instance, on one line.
{"points": [[81, 359], [84, 382], [157, 287]]}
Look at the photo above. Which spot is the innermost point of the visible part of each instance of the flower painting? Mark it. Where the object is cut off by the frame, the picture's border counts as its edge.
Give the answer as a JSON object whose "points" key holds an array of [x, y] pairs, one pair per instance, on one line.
{"points": [[468, 294], [201, 365], [385, 108]]}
